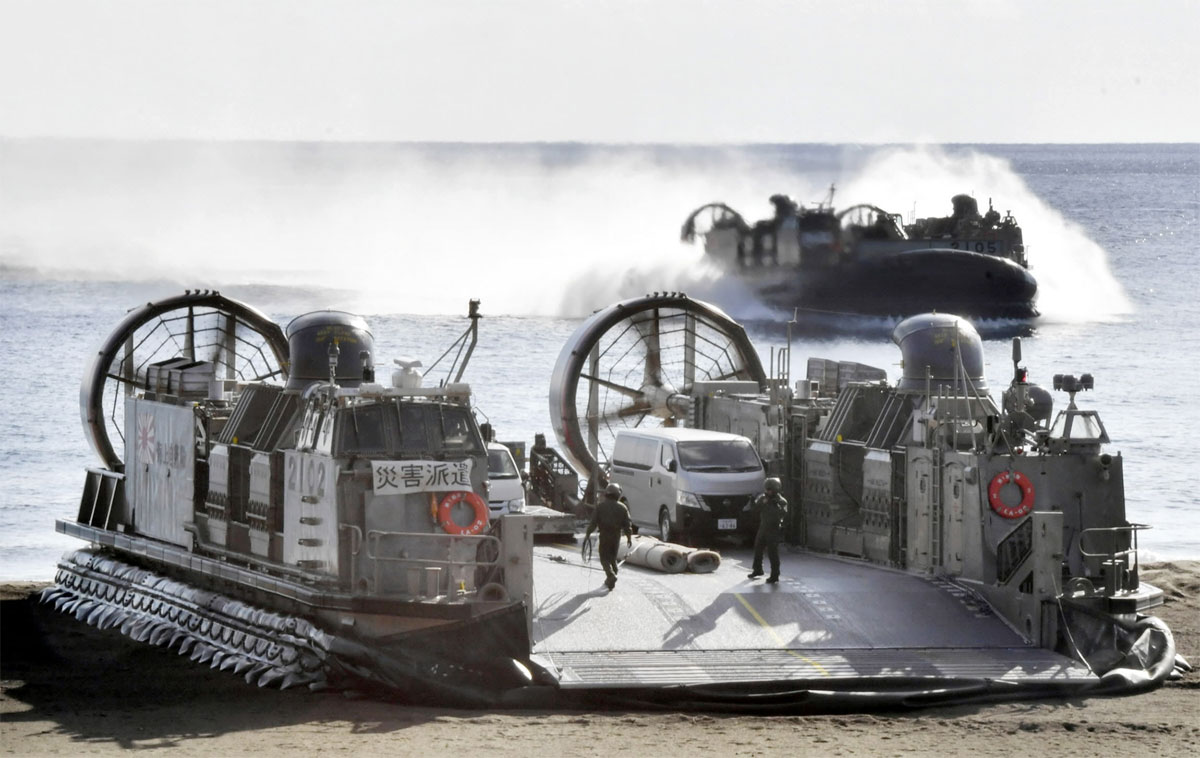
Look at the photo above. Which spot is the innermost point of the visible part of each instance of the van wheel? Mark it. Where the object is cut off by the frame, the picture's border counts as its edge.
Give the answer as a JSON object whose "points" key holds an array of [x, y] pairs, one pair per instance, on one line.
{"points": [[664, 525]]}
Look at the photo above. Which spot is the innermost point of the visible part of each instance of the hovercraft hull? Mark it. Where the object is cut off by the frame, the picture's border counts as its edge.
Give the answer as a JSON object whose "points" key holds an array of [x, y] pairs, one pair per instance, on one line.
{"points": [[902, 283]]}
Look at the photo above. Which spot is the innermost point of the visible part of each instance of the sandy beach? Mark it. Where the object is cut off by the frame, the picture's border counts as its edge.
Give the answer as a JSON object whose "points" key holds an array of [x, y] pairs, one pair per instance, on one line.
{"points": [[69, 689]]}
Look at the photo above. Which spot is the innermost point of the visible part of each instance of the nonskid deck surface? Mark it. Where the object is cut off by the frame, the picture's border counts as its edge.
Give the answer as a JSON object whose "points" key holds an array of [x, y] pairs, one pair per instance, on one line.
{"points": [[826, 619]]}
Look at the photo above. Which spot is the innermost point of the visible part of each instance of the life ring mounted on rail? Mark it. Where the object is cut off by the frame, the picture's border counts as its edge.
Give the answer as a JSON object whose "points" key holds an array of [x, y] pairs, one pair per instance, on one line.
{"points": [[445, 510], [999, 506]]}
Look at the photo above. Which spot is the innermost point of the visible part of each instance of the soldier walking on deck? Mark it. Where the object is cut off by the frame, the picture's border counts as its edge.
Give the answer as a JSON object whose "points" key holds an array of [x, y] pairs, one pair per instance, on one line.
{"points": [[612, 518], [772, 510]]}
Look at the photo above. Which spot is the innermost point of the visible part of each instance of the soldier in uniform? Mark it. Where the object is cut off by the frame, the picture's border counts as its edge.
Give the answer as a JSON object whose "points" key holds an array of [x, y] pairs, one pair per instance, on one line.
{"points": [[772, 510], [612, 518]]}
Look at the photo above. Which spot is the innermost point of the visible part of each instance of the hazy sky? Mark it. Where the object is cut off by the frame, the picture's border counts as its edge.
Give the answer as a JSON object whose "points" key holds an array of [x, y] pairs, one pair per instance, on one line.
{"points": [[624, 71]]}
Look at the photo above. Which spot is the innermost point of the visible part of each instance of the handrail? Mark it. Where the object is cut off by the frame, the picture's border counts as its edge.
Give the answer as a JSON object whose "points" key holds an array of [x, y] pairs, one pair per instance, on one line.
{"points": [[1121, 568], [375, 536], [356, 541], [1132, 529], [550, 475]]}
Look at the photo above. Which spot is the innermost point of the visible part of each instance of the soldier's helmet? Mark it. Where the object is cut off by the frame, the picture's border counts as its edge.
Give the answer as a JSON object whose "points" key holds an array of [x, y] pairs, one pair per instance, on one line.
{"points": [[613, 490], [772, 484]]}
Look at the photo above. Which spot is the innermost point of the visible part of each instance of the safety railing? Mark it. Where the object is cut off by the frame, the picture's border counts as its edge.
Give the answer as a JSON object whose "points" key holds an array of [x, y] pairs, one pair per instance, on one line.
{"points": [[1117, 560], [553, 480], [404, 558]]}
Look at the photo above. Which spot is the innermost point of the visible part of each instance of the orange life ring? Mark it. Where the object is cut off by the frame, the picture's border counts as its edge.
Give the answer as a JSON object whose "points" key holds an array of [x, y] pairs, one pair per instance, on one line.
{"points": [[450, 526], [1011, 511]]}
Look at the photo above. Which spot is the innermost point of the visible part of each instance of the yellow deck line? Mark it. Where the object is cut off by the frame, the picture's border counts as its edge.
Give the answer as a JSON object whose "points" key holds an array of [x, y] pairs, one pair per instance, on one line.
{"points": [[778, 640]]}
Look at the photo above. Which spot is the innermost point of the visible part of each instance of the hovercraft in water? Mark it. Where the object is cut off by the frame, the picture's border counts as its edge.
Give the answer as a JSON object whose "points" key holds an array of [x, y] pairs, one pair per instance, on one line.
{"points": [[863, 260]]}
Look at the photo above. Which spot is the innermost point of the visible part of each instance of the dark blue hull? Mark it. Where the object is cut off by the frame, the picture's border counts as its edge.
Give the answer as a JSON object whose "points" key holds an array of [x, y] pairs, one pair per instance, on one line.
{"points": [[972, 285]]}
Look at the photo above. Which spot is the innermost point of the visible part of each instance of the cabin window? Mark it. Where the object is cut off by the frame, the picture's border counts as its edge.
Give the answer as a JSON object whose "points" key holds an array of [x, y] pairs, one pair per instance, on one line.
{"points": [[364, 430], [458, 430], [414, 431], [1083, 426], [429, 428], [1087, 428]]}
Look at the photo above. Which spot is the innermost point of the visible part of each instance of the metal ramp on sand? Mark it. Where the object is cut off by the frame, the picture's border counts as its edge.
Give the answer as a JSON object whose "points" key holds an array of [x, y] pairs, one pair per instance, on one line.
{"points": [[829, 624]]}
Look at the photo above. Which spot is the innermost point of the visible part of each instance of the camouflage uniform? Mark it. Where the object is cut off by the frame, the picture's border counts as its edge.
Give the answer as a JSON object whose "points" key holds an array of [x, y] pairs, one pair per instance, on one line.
{"points": [[611, 518], [772, 510]]}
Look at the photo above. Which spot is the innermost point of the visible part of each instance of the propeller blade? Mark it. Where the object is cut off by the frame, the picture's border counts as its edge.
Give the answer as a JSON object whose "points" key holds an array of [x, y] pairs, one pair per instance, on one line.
{"points": [[627, 391], [189, 340], [614, 414], [647, 325]]}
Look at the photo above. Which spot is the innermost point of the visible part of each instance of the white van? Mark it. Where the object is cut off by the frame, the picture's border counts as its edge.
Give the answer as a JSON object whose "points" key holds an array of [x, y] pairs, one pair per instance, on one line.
{"points": [[506, 489], [687, 483]]}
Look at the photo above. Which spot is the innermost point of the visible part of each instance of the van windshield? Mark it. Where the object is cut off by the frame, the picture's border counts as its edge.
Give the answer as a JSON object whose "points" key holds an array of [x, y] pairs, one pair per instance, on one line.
{"points": [[718, 455], [501, 465]]}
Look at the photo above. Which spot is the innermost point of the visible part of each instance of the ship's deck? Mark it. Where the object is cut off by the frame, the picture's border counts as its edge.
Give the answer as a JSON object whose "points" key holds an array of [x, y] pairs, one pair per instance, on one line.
{"points": [[827, 619]]}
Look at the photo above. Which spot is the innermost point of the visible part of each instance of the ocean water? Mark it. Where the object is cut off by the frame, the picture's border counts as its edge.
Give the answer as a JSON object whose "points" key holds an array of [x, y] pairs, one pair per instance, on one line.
{"points": [[543, 235]]}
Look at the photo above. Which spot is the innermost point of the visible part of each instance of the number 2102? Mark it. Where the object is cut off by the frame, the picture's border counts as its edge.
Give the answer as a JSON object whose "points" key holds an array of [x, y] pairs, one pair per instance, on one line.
{"points": [[306, 476]]}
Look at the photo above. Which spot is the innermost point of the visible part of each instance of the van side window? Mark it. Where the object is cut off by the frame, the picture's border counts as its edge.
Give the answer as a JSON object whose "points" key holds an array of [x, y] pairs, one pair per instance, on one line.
{"points": [[621, 451], [668, 455], [635, 452]]}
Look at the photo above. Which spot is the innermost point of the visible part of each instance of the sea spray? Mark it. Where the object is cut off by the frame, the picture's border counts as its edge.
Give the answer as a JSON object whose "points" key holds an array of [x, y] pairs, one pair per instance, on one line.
{"points": [[1075, 282], [556, 230]]}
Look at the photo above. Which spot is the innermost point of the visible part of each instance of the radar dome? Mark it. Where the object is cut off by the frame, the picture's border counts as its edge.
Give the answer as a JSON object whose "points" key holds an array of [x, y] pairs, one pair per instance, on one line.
{"points": [[948, 346], [309, 339]]}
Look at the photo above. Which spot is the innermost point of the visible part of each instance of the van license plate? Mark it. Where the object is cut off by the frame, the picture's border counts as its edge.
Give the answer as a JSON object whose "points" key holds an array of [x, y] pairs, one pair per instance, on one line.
{"points": [[727, 523]]}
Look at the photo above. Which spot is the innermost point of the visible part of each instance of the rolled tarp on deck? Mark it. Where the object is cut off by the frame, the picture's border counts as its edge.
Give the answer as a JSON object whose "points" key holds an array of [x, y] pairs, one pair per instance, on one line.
{"points": [[652, 553], [703, 561]]}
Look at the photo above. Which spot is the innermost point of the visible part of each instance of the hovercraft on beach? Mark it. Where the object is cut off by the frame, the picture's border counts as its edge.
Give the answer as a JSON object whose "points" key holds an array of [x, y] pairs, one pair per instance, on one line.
{"points": [[276, 511], [265, 506], [865, 261], [944, 547]]}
